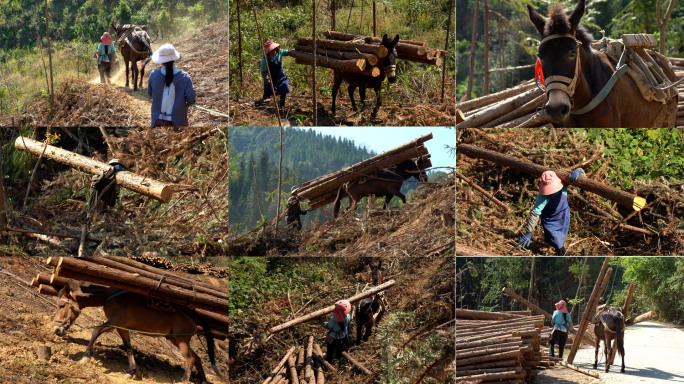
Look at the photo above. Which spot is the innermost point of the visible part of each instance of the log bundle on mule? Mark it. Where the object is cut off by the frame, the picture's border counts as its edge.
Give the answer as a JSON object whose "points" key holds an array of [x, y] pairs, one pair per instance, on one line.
{"points": [[129, 180], [348, 56], [122, 273], [411, 50], [495, 346], [678, 68], [323, 189]]}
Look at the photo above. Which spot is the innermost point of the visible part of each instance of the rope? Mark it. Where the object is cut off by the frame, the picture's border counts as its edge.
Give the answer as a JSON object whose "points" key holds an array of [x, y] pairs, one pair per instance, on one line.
{"points": [[142, 332]]}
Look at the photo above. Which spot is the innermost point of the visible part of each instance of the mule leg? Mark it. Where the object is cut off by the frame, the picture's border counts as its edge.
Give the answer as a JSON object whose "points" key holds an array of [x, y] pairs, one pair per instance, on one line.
{"points": [[142, 76], [337, 81], [91, 345], [359, 328], [362, 95], [196, 360], [401, 196], [369, 329], [378, 101], [126, 338], [126, 64], [350, 90], [189, 358], [388, 198], [134, 74], [598, 342], [608, 350]]}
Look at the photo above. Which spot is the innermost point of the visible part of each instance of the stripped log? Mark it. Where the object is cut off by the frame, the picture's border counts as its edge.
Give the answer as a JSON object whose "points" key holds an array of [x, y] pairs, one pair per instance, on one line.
{"points": [[280, 365], [331, 308], [483, 192], [309, 359], [509, 375], [351, 65], [129, 180], [358, 365], [379, 50], [470, 105], [580, 370], [293, 369], [621, 197], [526, 303], [643, 317], [318, 354], [482, 315], [501, 108], [370, 58]]}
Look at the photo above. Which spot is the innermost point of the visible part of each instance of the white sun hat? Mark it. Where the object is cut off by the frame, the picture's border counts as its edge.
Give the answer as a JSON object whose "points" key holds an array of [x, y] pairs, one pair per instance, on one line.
{"points": [[165, 53]]}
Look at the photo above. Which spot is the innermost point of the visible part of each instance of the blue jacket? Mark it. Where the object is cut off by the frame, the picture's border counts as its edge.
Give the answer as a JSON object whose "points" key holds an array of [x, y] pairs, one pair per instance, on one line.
{"points": [[555, 216], [185, 94], [558, 320], [334, 327]]}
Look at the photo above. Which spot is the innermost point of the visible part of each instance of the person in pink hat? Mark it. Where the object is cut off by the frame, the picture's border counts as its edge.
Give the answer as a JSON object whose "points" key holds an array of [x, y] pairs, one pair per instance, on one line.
{"points": [[337, 339], [274, 55], [551, 206], [561, 323], [106, 56]]}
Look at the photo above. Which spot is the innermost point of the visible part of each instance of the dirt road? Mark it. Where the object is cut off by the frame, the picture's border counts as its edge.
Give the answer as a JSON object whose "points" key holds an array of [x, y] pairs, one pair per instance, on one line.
{"points": [[653, 355]]}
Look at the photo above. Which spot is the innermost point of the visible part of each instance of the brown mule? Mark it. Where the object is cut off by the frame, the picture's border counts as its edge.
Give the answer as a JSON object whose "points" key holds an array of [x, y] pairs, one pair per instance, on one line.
{"points": [[609, 324], [134, 47], [125, 312]]}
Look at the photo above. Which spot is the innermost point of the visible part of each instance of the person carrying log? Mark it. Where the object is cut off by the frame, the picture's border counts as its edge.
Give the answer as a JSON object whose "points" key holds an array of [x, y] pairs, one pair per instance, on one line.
{"points": [[552, 207], [275, 66], [294, 210], [106, 56], [103, 189], [561, 323], [337, 339]]}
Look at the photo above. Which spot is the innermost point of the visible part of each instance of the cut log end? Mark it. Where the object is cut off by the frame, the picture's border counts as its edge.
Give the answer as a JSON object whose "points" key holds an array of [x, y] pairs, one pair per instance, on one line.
{"points": [[639, 203]]}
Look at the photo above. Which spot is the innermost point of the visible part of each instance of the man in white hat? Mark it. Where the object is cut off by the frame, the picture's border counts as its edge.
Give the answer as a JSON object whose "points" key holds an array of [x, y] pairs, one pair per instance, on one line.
{"points": [[294, 210], [171, 90]]}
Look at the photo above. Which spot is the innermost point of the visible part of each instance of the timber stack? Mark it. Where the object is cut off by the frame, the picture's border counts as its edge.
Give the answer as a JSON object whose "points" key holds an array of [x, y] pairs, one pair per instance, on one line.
{"points": [[499, 346], [123, 273], [678, 68], [323, 189]]}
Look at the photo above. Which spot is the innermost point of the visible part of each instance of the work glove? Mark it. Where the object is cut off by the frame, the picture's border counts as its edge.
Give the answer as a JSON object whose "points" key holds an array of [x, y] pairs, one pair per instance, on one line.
{"points": [[574, 175], [525, 240]]}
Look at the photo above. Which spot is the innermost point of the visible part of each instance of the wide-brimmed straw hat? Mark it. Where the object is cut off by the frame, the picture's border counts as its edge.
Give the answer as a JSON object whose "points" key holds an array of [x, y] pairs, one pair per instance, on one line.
{"points": [[342, 309], [550, 183], [165, 53], [561, 306], [270, 45], [106, 39]]}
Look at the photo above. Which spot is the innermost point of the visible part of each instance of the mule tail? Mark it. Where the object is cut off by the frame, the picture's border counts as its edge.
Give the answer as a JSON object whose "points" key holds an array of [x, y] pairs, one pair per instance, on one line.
{"points": [[620, 339], [206, 328], [338, 200]]}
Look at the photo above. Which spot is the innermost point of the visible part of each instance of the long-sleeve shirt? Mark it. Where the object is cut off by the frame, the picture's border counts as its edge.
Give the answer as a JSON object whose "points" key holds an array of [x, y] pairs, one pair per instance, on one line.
{"points": [[278, 58], [184, 95], [560, 320], [334, 327], [102, 56]]}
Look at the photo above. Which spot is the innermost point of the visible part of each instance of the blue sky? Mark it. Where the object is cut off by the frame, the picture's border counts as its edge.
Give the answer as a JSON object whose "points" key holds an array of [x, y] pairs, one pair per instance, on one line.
{"points": [[381, 139]]}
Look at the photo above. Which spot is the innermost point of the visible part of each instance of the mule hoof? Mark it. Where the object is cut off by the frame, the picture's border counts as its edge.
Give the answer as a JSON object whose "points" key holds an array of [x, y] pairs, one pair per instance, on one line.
{"points": [[84, 360], [128, 376], [622, 370]]}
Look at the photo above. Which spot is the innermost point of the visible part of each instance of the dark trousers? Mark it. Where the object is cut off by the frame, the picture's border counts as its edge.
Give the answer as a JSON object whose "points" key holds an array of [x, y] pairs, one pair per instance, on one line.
{"points": [[105, 69], [335, 348], [294, 220], [560, 338]]}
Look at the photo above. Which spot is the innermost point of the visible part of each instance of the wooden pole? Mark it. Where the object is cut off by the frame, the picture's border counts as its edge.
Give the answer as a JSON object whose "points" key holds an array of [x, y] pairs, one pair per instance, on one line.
{"points": [[331, 308], [374, 31], [313, 75], [591, 307], [483, 192], [621, 197], [47, 30], [237, 7], [129, 180], [526, 303], [358, 365], [578, 369], [309, 359], [446, 45], [281, 364]]}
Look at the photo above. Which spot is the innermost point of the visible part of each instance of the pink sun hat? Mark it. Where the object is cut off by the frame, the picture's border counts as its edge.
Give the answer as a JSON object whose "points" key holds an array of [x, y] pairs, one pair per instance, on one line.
{"points": [[561, 306], [342, 309], [106, 39], [550, 183], [270, 45]]}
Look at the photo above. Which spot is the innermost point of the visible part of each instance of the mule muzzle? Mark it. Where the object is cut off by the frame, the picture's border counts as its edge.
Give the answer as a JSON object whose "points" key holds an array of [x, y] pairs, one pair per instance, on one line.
{"points": [[391, 72], [60, 330], [558, 106]]}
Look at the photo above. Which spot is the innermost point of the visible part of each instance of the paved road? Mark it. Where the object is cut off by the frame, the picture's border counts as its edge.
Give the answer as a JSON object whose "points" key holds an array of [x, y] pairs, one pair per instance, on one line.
{"points": [[654, 354]]}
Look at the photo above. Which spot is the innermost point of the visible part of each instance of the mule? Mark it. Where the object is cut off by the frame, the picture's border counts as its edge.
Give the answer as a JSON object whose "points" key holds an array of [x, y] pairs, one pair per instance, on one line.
{"points": [[370, 310], [387, 182], [575, 74], [134, 47], [609, 324], [125, 312], [388, 69]]}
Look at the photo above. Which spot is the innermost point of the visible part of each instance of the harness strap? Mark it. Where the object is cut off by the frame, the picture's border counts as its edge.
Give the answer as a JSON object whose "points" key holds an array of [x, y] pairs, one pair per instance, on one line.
{"points": [[620, 69], [132, 47]]}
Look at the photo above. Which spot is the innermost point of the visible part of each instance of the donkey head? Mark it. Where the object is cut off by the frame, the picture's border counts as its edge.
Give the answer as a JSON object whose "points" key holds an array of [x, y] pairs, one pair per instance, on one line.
{"points": [[68, 311], [389, 62], [376, 273]]}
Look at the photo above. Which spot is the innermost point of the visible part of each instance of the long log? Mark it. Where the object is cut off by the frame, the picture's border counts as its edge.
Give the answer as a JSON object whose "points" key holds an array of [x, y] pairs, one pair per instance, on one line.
{"points": [[591, 308], [331, 308], [358, 365], [497, 356], [529, 107], [526, 303], [54, 234], [73, 268], [486, 194], [482, 315], [490, 99], [352, 65], [379, 50], [293, 369], [318, 354], [495, 376], [610, 217], [280, 365], [469, 372], [370, 58], [621, 197], [578, 369], [501, 108], [643, 317], [129, 180], [434, 61], [309, 359], [415, 47]]}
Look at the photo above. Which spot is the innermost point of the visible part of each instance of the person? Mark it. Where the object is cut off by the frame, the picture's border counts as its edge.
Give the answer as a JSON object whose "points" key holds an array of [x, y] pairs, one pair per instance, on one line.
{"points": [[171, 90], [106, 56], [294, 210], [560, 321], [337, 339], [551, 206], [275, 65], [103, 189]]}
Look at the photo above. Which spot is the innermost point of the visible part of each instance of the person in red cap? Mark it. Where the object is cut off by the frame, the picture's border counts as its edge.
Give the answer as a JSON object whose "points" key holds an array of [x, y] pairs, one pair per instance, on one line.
{"points": [[106, 56], [337, 339], [275, 65], [552, 207], [560, 321]]}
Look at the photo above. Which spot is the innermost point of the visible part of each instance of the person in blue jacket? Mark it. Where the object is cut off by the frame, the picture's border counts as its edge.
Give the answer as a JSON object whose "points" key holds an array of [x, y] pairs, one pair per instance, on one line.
{"points": [[275, 65], [337, 339], [171, 90], [552, 207], [106, 57], [560, 321]]}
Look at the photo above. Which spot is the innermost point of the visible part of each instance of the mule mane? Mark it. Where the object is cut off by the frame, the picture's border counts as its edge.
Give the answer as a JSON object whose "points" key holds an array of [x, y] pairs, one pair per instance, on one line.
{"points": [[558, 23]]}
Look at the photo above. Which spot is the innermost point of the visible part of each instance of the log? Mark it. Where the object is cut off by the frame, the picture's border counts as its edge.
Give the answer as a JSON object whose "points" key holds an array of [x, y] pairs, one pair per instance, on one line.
{"points": [[293, 369], [43, 352], [529, 107], [280, 365], [352, 65], [54, 234], [497, 356], [378, 50], [486, 194], [621, 197], [643, 317], [434, 61], [591, 308], [470, 372], [371, 59], [488, 350], [318, 355], [309, 359], [539, 119], [526, 303], [320, 377], [495, 376], [129, 180], [301, 359], [490, 99], [610, 217], [492, 364], [279, 377], [48, 290], [73, 268], [358, 365], [415, 47], [331, 308], [482, 315], [580, 370], [501, 108]]}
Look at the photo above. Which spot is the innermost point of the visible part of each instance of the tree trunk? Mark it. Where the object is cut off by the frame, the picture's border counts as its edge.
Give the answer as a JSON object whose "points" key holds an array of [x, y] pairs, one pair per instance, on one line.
{"points": [[473, 50], [643, 317], [486, 115], [485, 90], [662, 23]]}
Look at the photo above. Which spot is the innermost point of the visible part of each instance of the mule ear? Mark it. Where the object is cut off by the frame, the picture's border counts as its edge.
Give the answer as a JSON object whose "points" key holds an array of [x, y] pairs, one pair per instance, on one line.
{"points": [[576, 15], [72, 286], [396, 40], [537, 19]]}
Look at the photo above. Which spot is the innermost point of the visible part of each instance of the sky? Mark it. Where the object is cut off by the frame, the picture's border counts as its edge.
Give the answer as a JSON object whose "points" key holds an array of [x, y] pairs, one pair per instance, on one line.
{"points": [[381, 139]]}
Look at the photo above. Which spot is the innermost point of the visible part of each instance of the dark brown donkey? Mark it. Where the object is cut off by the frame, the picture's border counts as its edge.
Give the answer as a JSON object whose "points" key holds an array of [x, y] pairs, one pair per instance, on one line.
{"points": [[134, 46], [125, 312], [387, 67], [370, 310], [575, 73], [609, 324]]}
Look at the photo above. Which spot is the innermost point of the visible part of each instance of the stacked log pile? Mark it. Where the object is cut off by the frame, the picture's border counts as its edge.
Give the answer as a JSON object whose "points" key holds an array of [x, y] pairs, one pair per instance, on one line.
{"points": [[678, 67], [124, 273], [496, 346], [323, 189]]}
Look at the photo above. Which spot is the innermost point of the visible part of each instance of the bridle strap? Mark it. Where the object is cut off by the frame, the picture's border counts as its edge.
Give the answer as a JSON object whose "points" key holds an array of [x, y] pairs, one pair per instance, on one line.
{"points": [[562, 83]]}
